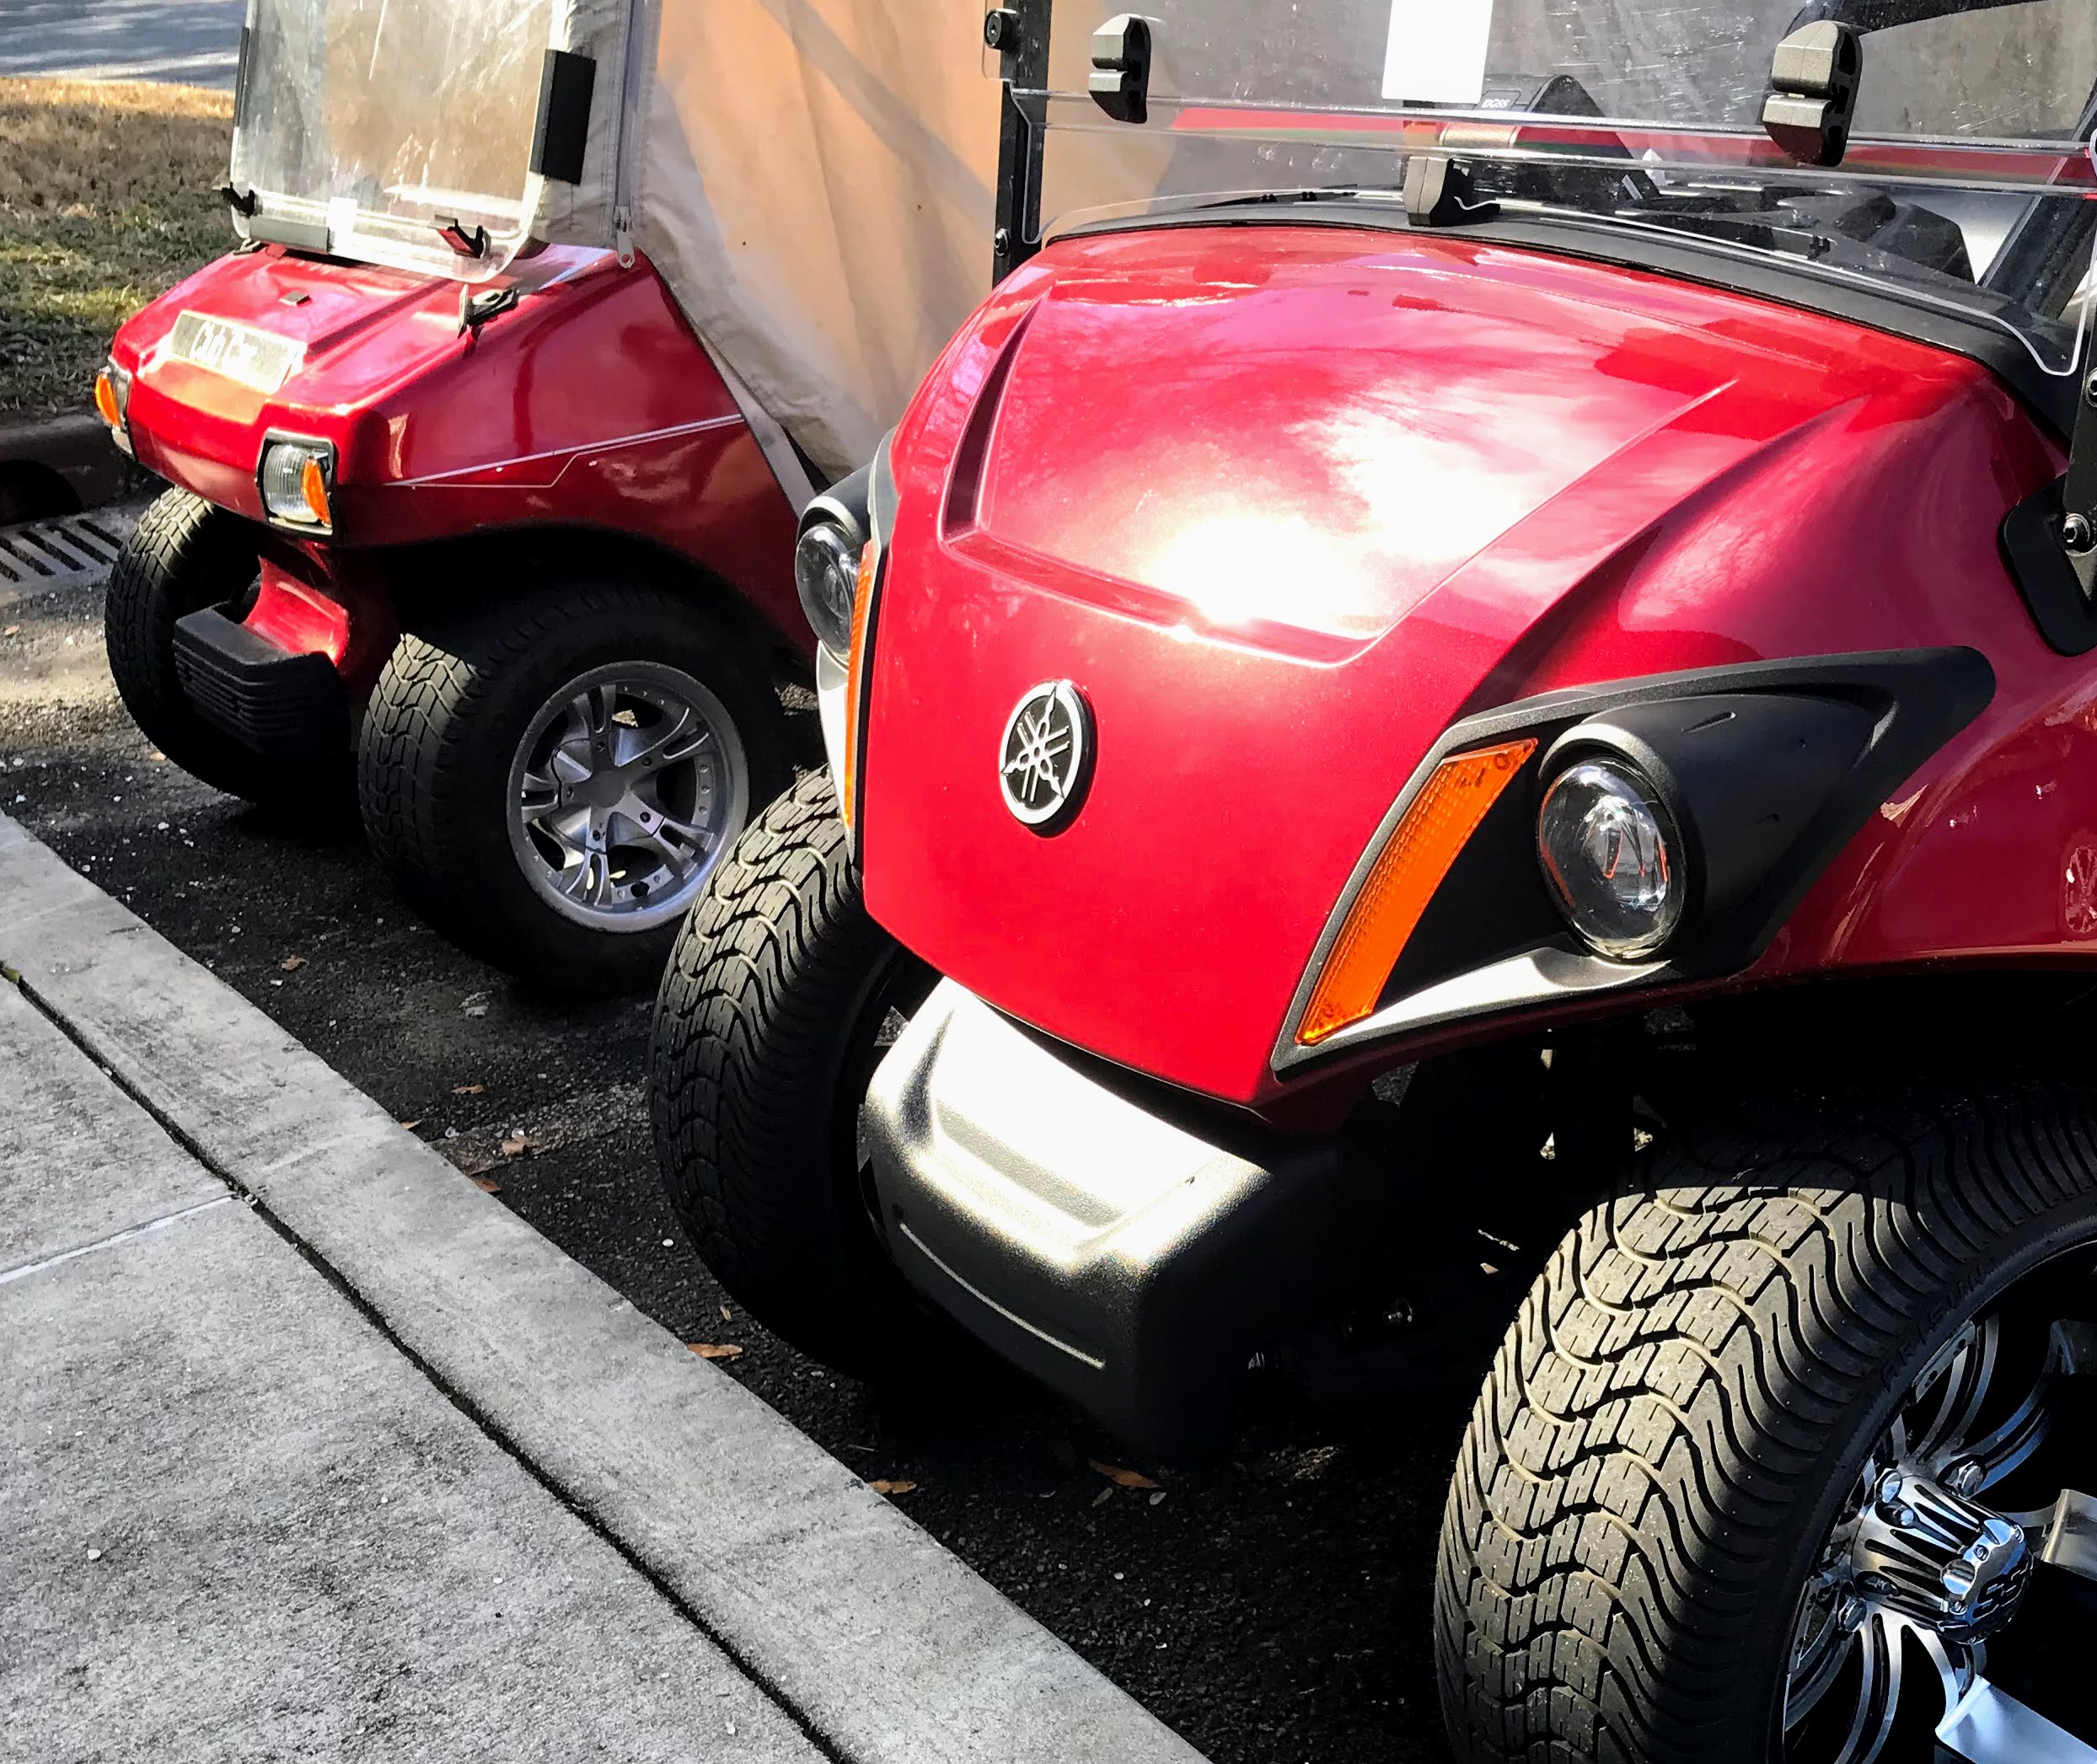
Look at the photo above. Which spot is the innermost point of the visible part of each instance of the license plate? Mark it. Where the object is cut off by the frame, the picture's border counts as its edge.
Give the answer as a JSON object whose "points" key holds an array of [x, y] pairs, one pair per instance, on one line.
{"points": [[256, 358]]}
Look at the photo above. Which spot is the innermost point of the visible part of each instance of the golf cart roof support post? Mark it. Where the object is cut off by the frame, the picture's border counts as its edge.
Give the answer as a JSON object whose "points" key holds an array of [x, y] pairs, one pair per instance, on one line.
{"points": [[1019, 32]]}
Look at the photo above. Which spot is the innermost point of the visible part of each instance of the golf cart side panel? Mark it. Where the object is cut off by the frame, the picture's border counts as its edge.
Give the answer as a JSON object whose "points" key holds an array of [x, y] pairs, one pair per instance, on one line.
{"points": [[588, 403], [1496, 473]]}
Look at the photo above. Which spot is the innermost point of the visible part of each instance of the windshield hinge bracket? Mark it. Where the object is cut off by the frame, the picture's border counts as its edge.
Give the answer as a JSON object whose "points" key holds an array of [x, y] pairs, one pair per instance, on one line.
{"points": [[2079, 489], [1813, 81], [1121, 68], [477, 306], [241, 201], [453, 232]]}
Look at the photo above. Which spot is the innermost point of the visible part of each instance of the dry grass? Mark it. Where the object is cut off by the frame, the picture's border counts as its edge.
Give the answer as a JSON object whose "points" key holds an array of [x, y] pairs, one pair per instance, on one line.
{"points": [[108, 197]]}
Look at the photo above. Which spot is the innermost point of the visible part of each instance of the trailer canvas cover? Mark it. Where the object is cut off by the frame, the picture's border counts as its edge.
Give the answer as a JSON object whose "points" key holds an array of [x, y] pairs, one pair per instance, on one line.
{"points": [[815, 184]]}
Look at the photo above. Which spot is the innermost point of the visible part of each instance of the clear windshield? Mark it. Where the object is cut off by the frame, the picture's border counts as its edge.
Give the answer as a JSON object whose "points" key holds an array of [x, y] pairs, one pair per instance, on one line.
{"points": [[1970, 180], [378, 120]]}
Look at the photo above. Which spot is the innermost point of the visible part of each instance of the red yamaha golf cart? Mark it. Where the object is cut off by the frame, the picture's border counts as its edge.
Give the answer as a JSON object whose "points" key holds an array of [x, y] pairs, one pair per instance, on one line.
{"points": [[474, 470], [1468, 709]]}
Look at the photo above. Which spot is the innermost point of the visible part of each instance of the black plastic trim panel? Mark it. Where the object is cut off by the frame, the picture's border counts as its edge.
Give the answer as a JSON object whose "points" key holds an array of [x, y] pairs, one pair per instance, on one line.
{"points": [[2031, 545], [280, 705], [1901, 706]]}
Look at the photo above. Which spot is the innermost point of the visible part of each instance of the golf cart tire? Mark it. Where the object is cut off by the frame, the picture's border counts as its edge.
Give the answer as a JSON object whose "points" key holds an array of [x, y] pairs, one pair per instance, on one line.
{"points": [[1688, 1394], [757, 1062], [187, 555], [444, 722]]}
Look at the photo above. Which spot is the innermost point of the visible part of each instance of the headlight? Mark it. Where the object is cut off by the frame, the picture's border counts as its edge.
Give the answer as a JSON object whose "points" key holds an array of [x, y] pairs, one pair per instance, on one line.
{"points": [[1612, 858], [297, 479], [826, 572]]}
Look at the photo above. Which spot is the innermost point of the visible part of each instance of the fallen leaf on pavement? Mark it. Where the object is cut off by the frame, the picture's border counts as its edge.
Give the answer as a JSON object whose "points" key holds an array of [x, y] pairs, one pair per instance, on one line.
{"points": [[727, 1314], [1104, 1496], [715, 1350], [13, 631], [468, 1090], [1122, 1478], [518, 1144], [291, 964], [411, 1125], [890, 1485], [486, 1187]]}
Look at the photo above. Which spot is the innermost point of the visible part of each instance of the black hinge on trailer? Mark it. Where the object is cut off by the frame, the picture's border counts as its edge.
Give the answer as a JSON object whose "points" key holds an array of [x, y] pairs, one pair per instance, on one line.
{"points": [[1019, 34]]}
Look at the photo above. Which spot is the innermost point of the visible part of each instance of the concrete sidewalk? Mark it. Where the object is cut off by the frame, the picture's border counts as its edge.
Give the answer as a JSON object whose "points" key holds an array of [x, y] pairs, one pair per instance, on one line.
{"points": [[308, 1447], [240, 1524]]}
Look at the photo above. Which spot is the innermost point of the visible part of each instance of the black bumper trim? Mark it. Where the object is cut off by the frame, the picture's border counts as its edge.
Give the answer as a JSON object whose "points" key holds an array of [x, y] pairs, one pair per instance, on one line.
{"points": [[282, 706], [1131, 1257]]}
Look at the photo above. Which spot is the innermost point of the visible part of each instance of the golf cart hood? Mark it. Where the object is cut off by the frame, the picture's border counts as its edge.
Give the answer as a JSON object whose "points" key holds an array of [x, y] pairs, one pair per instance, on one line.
{"points": [[1283, 504]]}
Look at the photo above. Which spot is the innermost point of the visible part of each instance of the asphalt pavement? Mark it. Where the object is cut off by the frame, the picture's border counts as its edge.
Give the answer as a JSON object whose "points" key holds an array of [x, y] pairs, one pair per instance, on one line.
{"points": [[190, 42], [1272, 1605]]}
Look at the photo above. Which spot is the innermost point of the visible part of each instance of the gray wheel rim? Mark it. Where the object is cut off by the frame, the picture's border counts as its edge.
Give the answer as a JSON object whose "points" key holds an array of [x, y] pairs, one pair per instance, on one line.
{"points": [[629, 783]]}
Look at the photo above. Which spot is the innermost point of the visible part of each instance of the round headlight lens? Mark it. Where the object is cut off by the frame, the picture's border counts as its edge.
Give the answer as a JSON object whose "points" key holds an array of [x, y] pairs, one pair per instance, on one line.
{"points": [[826, 572], [1612, 859]]}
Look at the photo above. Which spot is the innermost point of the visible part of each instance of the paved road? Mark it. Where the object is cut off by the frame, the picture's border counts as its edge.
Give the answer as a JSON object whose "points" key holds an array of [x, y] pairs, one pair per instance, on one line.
{"points": [[194, 42], [1272, 1607]]}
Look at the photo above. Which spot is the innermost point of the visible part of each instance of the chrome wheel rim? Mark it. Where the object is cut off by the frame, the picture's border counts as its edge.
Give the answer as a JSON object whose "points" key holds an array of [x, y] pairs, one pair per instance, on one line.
{"points": [[1962, 1508], [629, 783]]}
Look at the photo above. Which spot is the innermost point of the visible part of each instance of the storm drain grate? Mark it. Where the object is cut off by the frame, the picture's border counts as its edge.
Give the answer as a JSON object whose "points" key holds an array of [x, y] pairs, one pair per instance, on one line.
{"points": [[57, 554]]}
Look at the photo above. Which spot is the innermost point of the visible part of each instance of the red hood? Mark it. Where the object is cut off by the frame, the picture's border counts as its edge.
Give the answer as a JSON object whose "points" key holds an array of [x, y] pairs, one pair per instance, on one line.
{"points": [[369, 339], [1284, 502]]}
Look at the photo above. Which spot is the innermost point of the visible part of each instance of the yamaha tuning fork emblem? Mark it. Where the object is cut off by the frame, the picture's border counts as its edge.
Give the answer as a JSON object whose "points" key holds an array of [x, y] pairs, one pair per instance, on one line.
{"points": [[1046, 759]]}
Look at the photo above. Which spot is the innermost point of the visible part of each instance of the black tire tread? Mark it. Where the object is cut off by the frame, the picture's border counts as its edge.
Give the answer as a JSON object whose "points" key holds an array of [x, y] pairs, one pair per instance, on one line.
{"points": [[1670, 1391], [777, 956]]}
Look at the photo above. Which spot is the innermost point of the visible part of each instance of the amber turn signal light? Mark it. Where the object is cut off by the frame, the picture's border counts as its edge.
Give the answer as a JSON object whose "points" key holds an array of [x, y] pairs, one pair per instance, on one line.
{"points": [[1416, 857], [855, 675], [105, 403], [313, 485]]}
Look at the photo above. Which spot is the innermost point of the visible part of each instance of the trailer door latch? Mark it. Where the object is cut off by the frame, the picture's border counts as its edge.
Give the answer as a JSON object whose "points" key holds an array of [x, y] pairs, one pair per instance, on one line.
{"points": [[1121, 68]]}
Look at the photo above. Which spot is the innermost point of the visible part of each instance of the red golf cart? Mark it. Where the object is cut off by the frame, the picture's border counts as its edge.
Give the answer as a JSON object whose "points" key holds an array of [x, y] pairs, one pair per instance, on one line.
{"points": [[1480, 677], [465, 482]]}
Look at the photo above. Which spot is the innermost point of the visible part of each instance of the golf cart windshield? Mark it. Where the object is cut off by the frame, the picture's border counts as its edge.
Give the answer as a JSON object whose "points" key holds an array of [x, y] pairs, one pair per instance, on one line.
{"points": [[1965, 180], [365, 126]]}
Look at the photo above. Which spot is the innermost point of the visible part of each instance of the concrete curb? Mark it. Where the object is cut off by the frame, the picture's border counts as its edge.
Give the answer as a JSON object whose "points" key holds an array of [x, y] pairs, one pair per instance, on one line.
{"points": [[891, 1649], [77, 449]]}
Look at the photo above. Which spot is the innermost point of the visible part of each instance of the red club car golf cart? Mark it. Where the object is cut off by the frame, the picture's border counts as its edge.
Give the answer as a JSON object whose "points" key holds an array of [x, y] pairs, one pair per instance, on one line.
{"points": [[1485, 672], [488, 442]]}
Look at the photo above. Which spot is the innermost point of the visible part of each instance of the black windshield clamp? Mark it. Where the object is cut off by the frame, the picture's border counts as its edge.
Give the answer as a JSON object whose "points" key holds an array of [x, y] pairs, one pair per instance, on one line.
{"points": [[1441, 192], [2078, 490], [1121, 68], [241, 201], [454, 233], [1813, 81]]}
